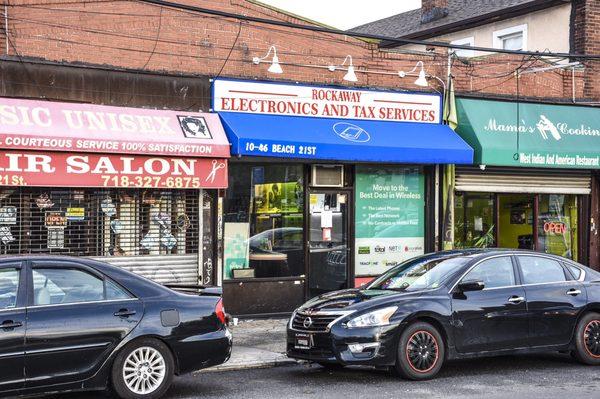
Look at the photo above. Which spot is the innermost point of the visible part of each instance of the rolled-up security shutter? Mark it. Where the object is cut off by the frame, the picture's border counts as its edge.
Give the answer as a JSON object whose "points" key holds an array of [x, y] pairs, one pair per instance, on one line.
{"points": [[164, 269], [516, 180]]}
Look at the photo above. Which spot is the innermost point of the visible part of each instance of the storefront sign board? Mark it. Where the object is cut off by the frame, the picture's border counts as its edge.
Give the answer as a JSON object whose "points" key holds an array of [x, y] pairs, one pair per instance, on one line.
{"points": [[55, 126], [553, 136], [60, 169], [324, 102], [390, 214]]}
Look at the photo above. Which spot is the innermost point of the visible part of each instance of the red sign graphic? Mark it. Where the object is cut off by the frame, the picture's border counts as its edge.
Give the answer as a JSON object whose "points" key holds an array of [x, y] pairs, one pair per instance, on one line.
{"points": [[60, 169]]}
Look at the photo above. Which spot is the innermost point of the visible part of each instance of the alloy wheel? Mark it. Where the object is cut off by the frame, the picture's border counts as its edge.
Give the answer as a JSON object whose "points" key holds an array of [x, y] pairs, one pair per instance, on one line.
{"points": [[591, 338], [144, 370], [422, 351]]}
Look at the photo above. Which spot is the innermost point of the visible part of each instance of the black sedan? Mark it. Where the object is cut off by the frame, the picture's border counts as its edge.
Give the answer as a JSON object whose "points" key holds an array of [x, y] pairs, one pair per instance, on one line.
{"points": [[451, 305], [73, 324]]}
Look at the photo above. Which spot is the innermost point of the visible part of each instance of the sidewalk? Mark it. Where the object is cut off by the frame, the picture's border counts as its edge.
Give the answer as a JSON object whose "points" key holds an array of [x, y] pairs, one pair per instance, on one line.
{"points": [[257, 344]]}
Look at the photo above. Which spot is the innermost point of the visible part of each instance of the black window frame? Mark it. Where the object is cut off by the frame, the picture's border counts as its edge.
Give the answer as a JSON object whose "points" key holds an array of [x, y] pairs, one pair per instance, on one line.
{"points": [[516, 274]]}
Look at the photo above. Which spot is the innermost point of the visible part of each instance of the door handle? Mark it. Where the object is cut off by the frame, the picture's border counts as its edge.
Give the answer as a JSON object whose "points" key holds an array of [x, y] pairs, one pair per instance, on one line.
{"points": [[124, 313], [573, 292], [516, 299], [9, 324]]}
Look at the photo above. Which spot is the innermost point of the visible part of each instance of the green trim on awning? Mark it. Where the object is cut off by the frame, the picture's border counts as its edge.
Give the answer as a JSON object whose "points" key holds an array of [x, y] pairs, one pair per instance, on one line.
{"points": [[551, 136]]}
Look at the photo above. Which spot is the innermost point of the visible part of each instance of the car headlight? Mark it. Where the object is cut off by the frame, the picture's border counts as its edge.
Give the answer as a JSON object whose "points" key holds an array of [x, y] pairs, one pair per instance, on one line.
{"points": [[376, 318]]}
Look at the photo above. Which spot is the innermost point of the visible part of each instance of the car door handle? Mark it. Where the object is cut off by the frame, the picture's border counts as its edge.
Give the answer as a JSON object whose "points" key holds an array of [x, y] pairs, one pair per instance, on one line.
{"points": [[8, 324], [573, 292], [124, 313], [516, 299]]}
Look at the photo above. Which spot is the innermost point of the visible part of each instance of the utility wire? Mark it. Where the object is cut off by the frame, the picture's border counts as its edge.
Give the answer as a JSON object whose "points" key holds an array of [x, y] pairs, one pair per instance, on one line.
{"points": [[321, 29]]}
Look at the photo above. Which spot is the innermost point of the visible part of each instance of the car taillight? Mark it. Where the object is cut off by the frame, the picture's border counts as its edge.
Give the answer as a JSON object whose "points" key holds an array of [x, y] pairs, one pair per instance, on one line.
{"points": [[220, 311]]}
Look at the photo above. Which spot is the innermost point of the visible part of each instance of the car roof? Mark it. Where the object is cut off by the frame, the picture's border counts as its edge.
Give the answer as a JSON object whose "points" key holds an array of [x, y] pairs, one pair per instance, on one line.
{"points": [[139, 285]]}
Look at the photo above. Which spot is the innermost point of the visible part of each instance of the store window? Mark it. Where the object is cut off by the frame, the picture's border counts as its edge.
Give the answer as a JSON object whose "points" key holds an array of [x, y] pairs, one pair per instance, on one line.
{"points": [[264, 221], [557, 225], [389, 217], [474, 220]]}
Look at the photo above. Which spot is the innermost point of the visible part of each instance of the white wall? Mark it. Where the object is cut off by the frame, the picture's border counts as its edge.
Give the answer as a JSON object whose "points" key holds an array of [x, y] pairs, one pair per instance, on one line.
{"points": [[546, 29]]}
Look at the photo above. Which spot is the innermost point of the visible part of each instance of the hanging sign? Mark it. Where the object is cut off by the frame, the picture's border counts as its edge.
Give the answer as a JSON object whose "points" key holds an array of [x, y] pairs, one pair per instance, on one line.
{"points": [[61, 169], [55, 220], [75, 214], [324, 102], [8, 215]]}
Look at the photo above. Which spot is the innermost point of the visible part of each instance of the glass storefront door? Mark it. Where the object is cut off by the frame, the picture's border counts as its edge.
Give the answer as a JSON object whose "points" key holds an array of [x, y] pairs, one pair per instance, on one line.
{"points": [[328, 244]]}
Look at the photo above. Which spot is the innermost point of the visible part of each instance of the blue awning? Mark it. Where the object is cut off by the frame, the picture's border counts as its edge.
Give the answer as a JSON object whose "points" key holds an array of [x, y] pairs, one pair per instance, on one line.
{"points": [[343, 139]]}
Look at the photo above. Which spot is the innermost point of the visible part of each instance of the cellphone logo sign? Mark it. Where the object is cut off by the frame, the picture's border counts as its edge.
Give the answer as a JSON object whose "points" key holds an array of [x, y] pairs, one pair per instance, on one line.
{"points": [[351, 132]]}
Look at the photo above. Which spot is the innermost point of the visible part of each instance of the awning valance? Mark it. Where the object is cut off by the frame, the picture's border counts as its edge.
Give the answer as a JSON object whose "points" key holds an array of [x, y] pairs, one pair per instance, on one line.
{"points": [[530, 135], [343, 139]]}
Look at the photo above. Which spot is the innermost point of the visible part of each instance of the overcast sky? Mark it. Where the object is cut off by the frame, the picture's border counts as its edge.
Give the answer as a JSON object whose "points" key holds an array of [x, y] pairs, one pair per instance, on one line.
{"points": [[345, 14]]}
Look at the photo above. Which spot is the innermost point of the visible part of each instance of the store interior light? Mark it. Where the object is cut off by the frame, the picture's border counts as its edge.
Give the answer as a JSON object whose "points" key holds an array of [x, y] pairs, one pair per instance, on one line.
{"points": [[275, 65]]}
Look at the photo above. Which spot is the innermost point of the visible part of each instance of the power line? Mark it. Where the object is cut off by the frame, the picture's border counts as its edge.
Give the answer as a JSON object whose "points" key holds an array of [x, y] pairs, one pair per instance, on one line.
{"points": [[321, 29]]}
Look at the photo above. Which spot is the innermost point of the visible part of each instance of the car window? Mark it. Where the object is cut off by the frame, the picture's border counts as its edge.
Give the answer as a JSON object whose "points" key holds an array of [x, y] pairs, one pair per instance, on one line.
{"points": [[114, 292], [495, 272], [58, 286], [575, 271], [537, 270], [9, 286]]}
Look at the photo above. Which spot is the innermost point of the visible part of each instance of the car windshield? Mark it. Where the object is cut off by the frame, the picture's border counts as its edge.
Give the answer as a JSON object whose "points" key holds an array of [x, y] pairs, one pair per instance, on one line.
{"points": [[418, 274]]}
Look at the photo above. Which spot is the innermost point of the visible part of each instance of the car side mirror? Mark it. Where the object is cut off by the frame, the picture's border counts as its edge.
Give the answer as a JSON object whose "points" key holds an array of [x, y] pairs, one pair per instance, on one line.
{"points": [[471, 285]]}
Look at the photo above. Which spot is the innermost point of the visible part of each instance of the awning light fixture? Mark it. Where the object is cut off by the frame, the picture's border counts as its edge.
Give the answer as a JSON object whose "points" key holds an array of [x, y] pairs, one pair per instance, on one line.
{"points": [[275, 65], [422, 77]]}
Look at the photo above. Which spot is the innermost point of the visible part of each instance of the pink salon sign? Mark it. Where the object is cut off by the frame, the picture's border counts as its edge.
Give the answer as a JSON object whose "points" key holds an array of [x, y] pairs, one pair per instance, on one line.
{"points": [[53, 126]]}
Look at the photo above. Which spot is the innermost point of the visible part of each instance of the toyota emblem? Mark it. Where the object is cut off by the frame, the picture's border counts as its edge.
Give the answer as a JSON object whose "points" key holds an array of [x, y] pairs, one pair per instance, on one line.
{"points": [[307, 322]]}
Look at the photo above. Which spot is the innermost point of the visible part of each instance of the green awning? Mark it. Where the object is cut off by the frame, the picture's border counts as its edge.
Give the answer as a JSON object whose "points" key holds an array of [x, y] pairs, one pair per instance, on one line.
{"points": [[530, 135]]}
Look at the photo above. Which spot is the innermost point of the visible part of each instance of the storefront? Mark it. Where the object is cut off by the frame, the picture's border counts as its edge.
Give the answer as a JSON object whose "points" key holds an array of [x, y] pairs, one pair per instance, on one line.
{"points": [[531, 188], [134, 187], [328, 187]]}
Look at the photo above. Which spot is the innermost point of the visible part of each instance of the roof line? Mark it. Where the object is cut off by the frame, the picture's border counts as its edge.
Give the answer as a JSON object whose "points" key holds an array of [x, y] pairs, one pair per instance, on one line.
{"points": [[504, 14]]}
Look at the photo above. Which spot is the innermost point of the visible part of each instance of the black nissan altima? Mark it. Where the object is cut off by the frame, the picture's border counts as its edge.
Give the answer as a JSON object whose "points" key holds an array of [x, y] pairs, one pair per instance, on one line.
{"points": [[451, 305], [73, 324]]}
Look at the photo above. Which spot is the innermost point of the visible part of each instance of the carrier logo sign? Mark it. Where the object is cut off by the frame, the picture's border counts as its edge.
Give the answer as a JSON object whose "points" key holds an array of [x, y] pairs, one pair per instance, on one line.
{"points": [[194, 127], [350, 132], [545, 125]]}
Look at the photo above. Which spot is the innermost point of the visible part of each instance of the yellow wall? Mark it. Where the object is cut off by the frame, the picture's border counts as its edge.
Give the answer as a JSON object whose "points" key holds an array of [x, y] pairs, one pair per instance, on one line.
{"points": [[509, 233]]}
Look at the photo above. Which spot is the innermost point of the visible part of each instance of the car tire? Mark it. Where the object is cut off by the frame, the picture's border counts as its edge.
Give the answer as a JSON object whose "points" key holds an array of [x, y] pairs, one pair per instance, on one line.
{"points": [[421, 352], [143, 369], [587, 339]]}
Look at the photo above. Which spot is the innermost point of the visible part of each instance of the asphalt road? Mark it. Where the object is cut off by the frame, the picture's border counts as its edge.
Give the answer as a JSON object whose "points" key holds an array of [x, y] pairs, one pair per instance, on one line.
{"points": [[531, 377]]}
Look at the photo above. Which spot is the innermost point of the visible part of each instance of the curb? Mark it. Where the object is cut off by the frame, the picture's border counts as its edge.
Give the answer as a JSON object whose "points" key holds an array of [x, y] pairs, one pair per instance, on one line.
{"points": [[248, 365]]}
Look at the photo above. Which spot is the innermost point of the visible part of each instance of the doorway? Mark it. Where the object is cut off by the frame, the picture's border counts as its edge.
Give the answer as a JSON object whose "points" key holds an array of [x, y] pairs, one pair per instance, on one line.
{"points": [[328, 234]]}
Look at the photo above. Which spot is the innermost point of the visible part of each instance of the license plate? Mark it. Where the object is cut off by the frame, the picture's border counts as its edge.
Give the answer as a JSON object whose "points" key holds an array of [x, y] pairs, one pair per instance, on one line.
{"points": [[303, 341]]}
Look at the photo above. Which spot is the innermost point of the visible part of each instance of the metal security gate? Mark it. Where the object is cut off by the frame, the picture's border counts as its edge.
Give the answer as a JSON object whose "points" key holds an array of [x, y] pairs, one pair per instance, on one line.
{"points": [[156, 233], [172, 269], [519, 180]]}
